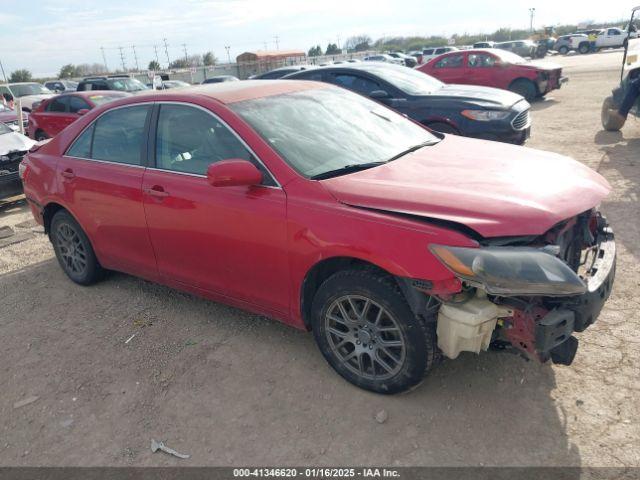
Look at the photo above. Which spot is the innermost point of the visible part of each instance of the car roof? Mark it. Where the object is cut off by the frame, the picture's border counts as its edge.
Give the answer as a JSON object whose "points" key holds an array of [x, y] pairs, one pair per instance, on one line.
{"points": [[93, 93], [226, 92]]}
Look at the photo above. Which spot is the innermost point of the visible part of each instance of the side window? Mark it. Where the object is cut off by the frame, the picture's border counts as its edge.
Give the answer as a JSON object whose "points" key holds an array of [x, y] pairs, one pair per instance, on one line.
{"points": [[81, 148], [118, 135], [189, 139], [428, 51], [481, 60], [358, 84], [76, 104], [440, 51], [450, 61], [58, 105], [83, 86]]}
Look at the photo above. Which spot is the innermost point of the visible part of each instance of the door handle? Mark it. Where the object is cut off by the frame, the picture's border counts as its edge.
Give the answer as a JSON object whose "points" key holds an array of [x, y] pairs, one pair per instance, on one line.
{"points": [[68, 173], [157, 191]]}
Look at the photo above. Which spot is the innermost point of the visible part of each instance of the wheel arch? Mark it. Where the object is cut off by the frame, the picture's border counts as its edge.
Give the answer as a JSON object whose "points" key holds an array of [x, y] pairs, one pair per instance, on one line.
{"points": [[326, 267]]}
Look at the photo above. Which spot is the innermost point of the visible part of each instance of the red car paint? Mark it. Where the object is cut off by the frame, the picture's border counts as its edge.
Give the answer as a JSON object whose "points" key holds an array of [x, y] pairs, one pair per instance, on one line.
{"points": [[253, 247], [50, 123], [546, 76]]}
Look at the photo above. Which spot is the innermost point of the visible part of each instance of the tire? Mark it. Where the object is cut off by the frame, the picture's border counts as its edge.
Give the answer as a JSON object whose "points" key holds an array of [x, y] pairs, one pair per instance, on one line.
{"points": [[609, 122], [357, 346], [584, 47], [563, 50], [525, 88], [443, 127], [73, 250], [40, 136]]}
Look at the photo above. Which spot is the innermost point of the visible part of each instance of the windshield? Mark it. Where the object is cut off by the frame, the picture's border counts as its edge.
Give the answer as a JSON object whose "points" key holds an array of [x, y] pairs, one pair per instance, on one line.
{"points": [[127, 84], [106, 98], [21, 90], [4, 129], [325, 129], [508, 57], [410, 81]]}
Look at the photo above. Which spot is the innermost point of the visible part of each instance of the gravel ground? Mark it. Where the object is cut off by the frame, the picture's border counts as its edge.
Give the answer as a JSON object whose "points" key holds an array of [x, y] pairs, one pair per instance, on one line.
{"points": [[231, 388]]}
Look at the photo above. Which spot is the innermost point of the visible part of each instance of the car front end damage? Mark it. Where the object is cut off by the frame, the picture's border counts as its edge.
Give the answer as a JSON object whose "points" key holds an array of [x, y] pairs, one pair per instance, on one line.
{"points": [[550, 79], [527, 294]]}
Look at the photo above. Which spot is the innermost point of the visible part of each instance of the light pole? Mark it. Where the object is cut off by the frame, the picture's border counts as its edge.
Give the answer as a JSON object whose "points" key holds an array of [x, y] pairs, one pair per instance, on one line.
{"points": [[532, 12], [227, 48]]}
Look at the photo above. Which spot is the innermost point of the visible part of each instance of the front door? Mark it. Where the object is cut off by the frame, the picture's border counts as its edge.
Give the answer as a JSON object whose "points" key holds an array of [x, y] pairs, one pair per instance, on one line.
{"points": [[226, 240], [100, 180], [482, 69]]}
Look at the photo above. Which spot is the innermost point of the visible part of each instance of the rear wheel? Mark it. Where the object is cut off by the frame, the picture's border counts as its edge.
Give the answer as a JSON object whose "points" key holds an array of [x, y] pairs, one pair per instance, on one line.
{"points": [[584, 47], [369, 335], [40, 136], [524, 87], [611, 121], [443, 127], [563, 50], [73, 250]]}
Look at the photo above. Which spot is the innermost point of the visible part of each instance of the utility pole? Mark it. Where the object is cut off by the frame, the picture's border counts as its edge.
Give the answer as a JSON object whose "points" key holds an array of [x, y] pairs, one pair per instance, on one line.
{"points": [[166, 50], [276, 38], [265, 45], [339, 45], [227, 48], [135, 56], [124, 66], [155, 49], [186, 56], [532, 12], [3, 74], [104, 59]]}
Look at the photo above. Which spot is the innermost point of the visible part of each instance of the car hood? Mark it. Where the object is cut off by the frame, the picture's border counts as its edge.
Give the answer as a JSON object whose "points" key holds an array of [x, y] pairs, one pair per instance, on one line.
{"points": [[540, 65], [14, 142], [486, 96], [495, 189]]}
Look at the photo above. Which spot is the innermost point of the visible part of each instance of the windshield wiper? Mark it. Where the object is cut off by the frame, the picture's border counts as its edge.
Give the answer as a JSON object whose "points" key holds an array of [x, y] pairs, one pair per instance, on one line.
{"points": [[356, 167], [413, 149]]}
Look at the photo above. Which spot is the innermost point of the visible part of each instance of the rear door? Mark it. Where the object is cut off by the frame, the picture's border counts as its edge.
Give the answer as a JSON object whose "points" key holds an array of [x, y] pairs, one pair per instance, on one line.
{"points": [[450, 68], [230, 241], [100, 180]]}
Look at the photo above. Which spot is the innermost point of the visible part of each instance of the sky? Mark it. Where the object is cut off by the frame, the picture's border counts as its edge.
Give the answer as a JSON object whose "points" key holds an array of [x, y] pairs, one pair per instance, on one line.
{"points": [[43, 35]]}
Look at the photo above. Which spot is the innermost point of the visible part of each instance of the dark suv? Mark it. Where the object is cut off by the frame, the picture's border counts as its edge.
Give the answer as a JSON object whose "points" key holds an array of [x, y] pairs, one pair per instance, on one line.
{"points": [[122, 83]]}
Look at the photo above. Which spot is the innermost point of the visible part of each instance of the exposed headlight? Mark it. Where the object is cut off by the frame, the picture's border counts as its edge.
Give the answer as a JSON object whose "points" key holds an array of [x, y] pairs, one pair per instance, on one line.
{"points": [[510, 271], [485, 115]]}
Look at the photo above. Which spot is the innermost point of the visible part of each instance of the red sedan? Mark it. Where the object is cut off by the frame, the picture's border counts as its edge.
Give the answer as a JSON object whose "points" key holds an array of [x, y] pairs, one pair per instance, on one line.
{"points": [[496, 68], [55, 114], [319, 207]]}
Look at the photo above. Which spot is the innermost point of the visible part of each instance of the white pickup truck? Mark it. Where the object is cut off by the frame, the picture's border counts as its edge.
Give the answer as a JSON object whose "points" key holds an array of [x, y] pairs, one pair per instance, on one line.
{"points": [[612, 38]]}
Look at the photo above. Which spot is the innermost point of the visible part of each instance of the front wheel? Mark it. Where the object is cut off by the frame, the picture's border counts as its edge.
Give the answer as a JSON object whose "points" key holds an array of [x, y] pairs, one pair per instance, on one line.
{"points": [[369, 335], [73, 250], [610, 121], [563, 50], [525, 88], [584, 47]]}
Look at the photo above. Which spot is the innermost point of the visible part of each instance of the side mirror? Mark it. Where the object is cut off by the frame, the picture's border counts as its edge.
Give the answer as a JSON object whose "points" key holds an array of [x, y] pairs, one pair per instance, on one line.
{"points": [[379, 94], [83, 111], [233, 173]]}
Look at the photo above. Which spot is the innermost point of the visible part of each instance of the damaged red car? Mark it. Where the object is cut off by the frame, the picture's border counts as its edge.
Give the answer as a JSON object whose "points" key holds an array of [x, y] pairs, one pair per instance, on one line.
{"points": [[316, 206], [497, 68]]}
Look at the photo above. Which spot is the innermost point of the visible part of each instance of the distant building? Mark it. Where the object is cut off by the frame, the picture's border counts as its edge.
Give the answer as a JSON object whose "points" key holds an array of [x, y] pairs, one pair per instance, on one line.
{"points": [[251, 63]]}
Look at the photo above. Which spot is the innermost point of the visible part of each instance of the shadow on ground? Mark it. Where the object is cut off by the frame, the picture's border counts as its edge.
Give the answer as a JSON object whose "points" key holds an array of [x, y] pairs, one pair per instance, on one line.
{"points": [[231, 388]]}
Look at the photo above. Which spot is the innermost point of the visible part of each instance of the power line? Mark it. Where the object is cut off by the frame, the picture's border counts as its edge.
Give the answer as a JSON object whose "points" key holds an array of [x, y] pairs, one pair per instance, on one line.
{"points": [[124, 67], [155, 49]]}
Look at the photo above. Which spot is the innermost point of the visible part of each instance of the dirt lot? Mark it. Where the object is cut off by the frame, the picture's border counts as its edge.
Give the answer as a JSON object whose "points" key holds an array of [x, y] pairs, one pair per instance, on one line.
{"points": [[231, 388]]}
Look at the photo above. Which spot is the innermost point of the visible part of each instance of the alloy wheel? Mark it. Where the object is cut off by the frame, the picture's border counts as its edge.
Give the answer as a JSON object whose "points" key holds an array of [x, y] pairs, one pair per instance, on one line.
{"points": [[72, 249], [365, 337]]}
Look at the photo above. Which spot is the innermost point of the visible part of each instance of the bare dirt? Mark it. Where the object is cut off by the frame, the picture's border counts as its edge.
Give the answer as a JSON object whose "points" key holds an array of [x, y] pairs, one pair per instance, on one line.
{"points": [[231, 388]]}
